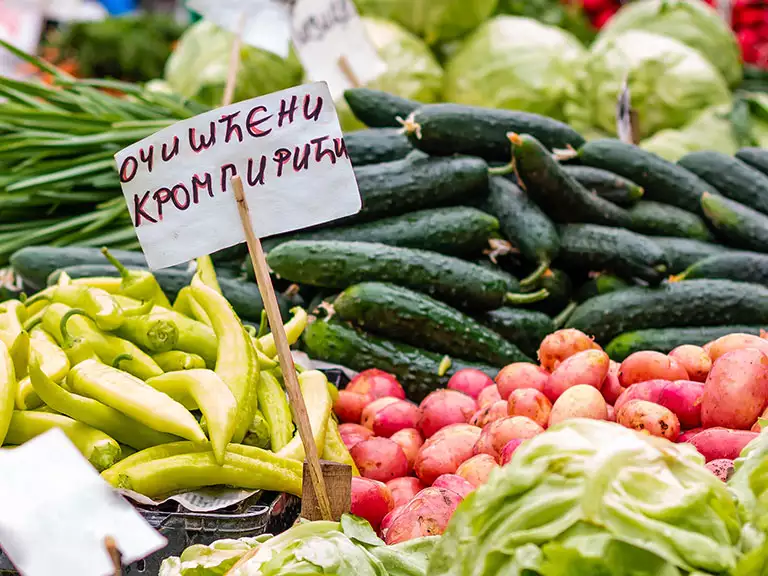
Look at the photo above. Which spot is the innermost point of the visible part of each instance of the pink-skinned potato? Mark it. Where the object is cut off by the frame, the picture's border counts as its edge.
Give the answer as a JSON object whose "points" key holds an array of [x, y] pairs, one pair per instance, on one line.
{"points": [[736, 390], [380, 459], [558, 346], [688, 434], [736, 341], [393, 417], [371, 500], [530, 403], [388, 519], [404, 488], [454, 483], [469, 381], [611, 411], [477, 469], [369, 412], [720, 468], [520, 375], [410, 440], [650, 418], [612, 388], [650, 391], [488, 396], [352, 434], [649, 365], [349, 406], [490, 413], [580, 401], [377, 384], [444, 452], [589, 367], [509, 450], [694, 359], [427, 514], [442, 408], [682, 397], [719, 443], [496, 434]]}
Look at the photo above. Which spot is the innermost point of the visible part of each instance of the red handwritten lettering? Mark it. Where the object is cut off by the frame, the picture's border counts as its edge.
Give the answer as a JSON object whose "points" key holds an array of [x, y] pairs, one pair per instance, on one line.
{"points": [[206, 183], [203, 144], [252, 125], [315, 114], [175, 196], [231, 127], [287, 112], [281, 158], [320, 152], [301, 163], [148, 158], [340, 147], [165, 155], [224, 169], [128, 169], [161, 196], [259, 178], [138, 209]]}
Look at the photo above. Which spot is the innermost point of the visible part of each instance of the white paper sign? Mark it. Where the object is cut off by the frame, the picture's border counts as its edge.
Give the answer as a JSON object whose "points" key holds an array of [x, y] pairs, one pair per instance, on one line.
{"points": [[57, 511], [21, 24], [288, 149], [332, 45]]}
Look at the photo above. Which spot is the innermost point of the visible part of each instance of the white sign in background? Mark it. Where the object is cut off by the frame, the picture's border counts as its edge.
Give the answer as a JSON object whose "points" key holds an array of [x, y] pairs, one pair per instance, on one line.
{"points": [[288, 149]]}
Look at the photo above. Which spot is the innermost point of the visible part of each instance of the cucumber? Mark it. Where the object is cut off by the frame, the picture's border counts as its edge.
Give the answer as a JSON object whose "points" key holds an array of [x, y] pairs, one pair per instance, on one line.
{"points": [[376, 145], [523, 223], [738, 225], [523, 328], [418, 320], [732, 177], [558, 193], [675, 304], [416, 369], [683, 252], [667, 339], [739, 266], [378, 109], [560, 288], [755, 157], [662, 181], [630, 255], [606, 184], [654, 218], [446, 129], [337, 264], [601, 283]]}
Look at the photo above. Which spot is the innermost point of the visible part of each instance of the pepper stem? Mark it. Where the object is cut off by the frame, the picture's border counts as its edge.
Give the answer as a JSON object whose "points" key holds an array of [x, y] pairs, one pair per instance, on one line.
{"points": [[141, 309], [65, 335], [263, 325], [560, 320], [534, 276], [511, 298], [119, 358], [125, 274]]}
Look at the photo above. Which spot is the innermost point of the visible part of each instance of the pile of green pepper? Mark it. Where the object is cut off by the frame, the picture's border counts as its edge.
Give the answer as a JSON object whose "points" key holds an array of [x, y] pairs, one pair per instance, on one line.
{"points": [[161, 398]]}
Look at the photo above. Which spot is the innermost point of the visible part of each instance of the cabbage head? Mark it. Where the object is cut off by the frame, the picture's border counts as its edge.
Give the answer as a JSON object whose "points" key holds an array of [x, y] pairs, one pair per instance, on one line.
{"points": [[670, 83], [589, 497], [692, 22], [198, 67], [516, 63], [434, 20]]}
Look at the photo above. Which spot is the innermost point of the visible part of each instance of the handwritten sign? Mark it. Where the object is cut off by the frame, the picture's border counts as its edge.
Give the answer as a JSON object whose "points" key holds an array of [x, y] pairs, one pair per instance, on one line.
{"points": [[286, 146], [57, 511], [332, 45]]}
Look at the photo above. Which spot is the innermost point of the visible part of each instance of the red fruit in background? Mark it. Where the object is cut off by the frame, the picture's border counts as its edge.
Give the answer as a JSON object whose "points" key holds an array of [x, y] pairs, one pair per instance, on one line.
{"points": [[349, 406], [596, 5], [371, 500], [380, 459], [369, 412], [604, 16], [394, 417], [489, 414], [612, 388], [442, 408], [477, 469], [426, 515], [455, 483], [410, 440], [748, 40], [649, 365], [352, 434], [404, 488], [377, 383], [509, 450], [445, 451], [530, 403], [520, 375], [497, 434], [470, 381], [488, 396], [388, 519]]}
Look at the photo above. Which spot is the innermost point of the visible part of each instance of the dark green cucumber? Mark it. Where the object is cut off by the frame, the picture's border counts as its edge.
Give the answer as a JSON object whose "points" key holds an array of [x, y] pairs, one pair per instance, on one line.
{"points": [[755, 157], [522, 222], [597, 248], [738, 225], [667, 339], [732, 177], [557, 192], [662, 181], [376, 145], [415, 319], [601, 283], [447, 129], [739, 266], [524, 328], [606, 184], [675, 304], [378, 109], [560, 288], [336, 264], [683, 252], [417, 370], [656, 219]]}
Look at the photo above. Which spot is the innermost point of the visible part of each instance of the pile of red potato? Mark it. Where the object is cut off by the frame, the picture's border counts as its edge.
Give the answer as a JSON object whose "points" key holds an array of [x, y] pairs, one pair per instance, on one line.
{"points": [[418, 462]]}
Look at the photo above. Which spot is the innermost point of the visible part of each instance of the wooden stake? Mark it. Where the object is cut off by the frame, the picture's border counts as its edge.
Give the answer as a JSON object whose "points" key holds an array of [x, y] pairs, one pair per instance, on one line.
{"points": [[283, 350], [234, 64], [338, 479], [346, 69], [114, 554]]}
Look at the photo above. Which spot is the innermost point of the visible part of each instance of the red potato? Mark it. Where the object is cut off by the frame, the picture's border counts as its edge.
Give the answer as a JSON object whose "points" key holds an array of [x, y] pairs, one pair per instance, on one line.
{"points": [[558, 346], [580, 401], [531, 404], [371, 500], [736, 341], [612, 388], [455, 483], [388, 519], [694, 359], [682, 397], [489, 414], [380, 459], [488, 396], [404, 488], [688, 434], [352, 434], [648, 417], [649, 365], [509, 450], [410, 440], [736, 390], [393, 417], [369, 412], [442, 408], [520, 375], [477, 469], [445, 451], [650, 390], [718, 443], [589, 367], [349, 406], [496, 434], [377, 384], [470, 381], [611, 413], [720, 468], [426, 515]]}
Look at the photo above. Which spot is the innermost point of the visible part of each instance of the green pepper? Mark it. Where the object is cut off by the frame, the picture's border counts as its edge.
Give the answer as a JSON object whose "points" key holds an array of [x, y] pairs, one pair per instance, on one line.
{"points": [[52, 360], [258, 432], [20, 354], [151, 332], [293, 329], [13, 314], [100, 306], [274, 405], [335, 450], [110, 284], [8, 388], [186, 304], [207, 273], [139, 284], [314, 389], [175, 360]]}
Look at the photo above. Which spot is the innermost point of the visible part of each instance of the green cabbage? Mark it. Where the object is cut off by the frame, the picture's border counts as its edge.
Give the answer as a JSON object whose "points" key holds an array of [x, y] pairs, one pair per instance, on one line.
{"points": [[517, 63], [434, 20], [694, 23], [670, 83], [198, 67], [593, 498]]}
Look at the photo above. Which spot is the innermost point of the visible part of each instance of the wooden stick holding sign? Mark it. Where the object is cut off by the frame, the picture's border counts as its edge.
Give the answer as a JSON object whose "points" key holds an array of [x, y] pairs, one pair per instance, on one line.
{"points": [[346, 69]]}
